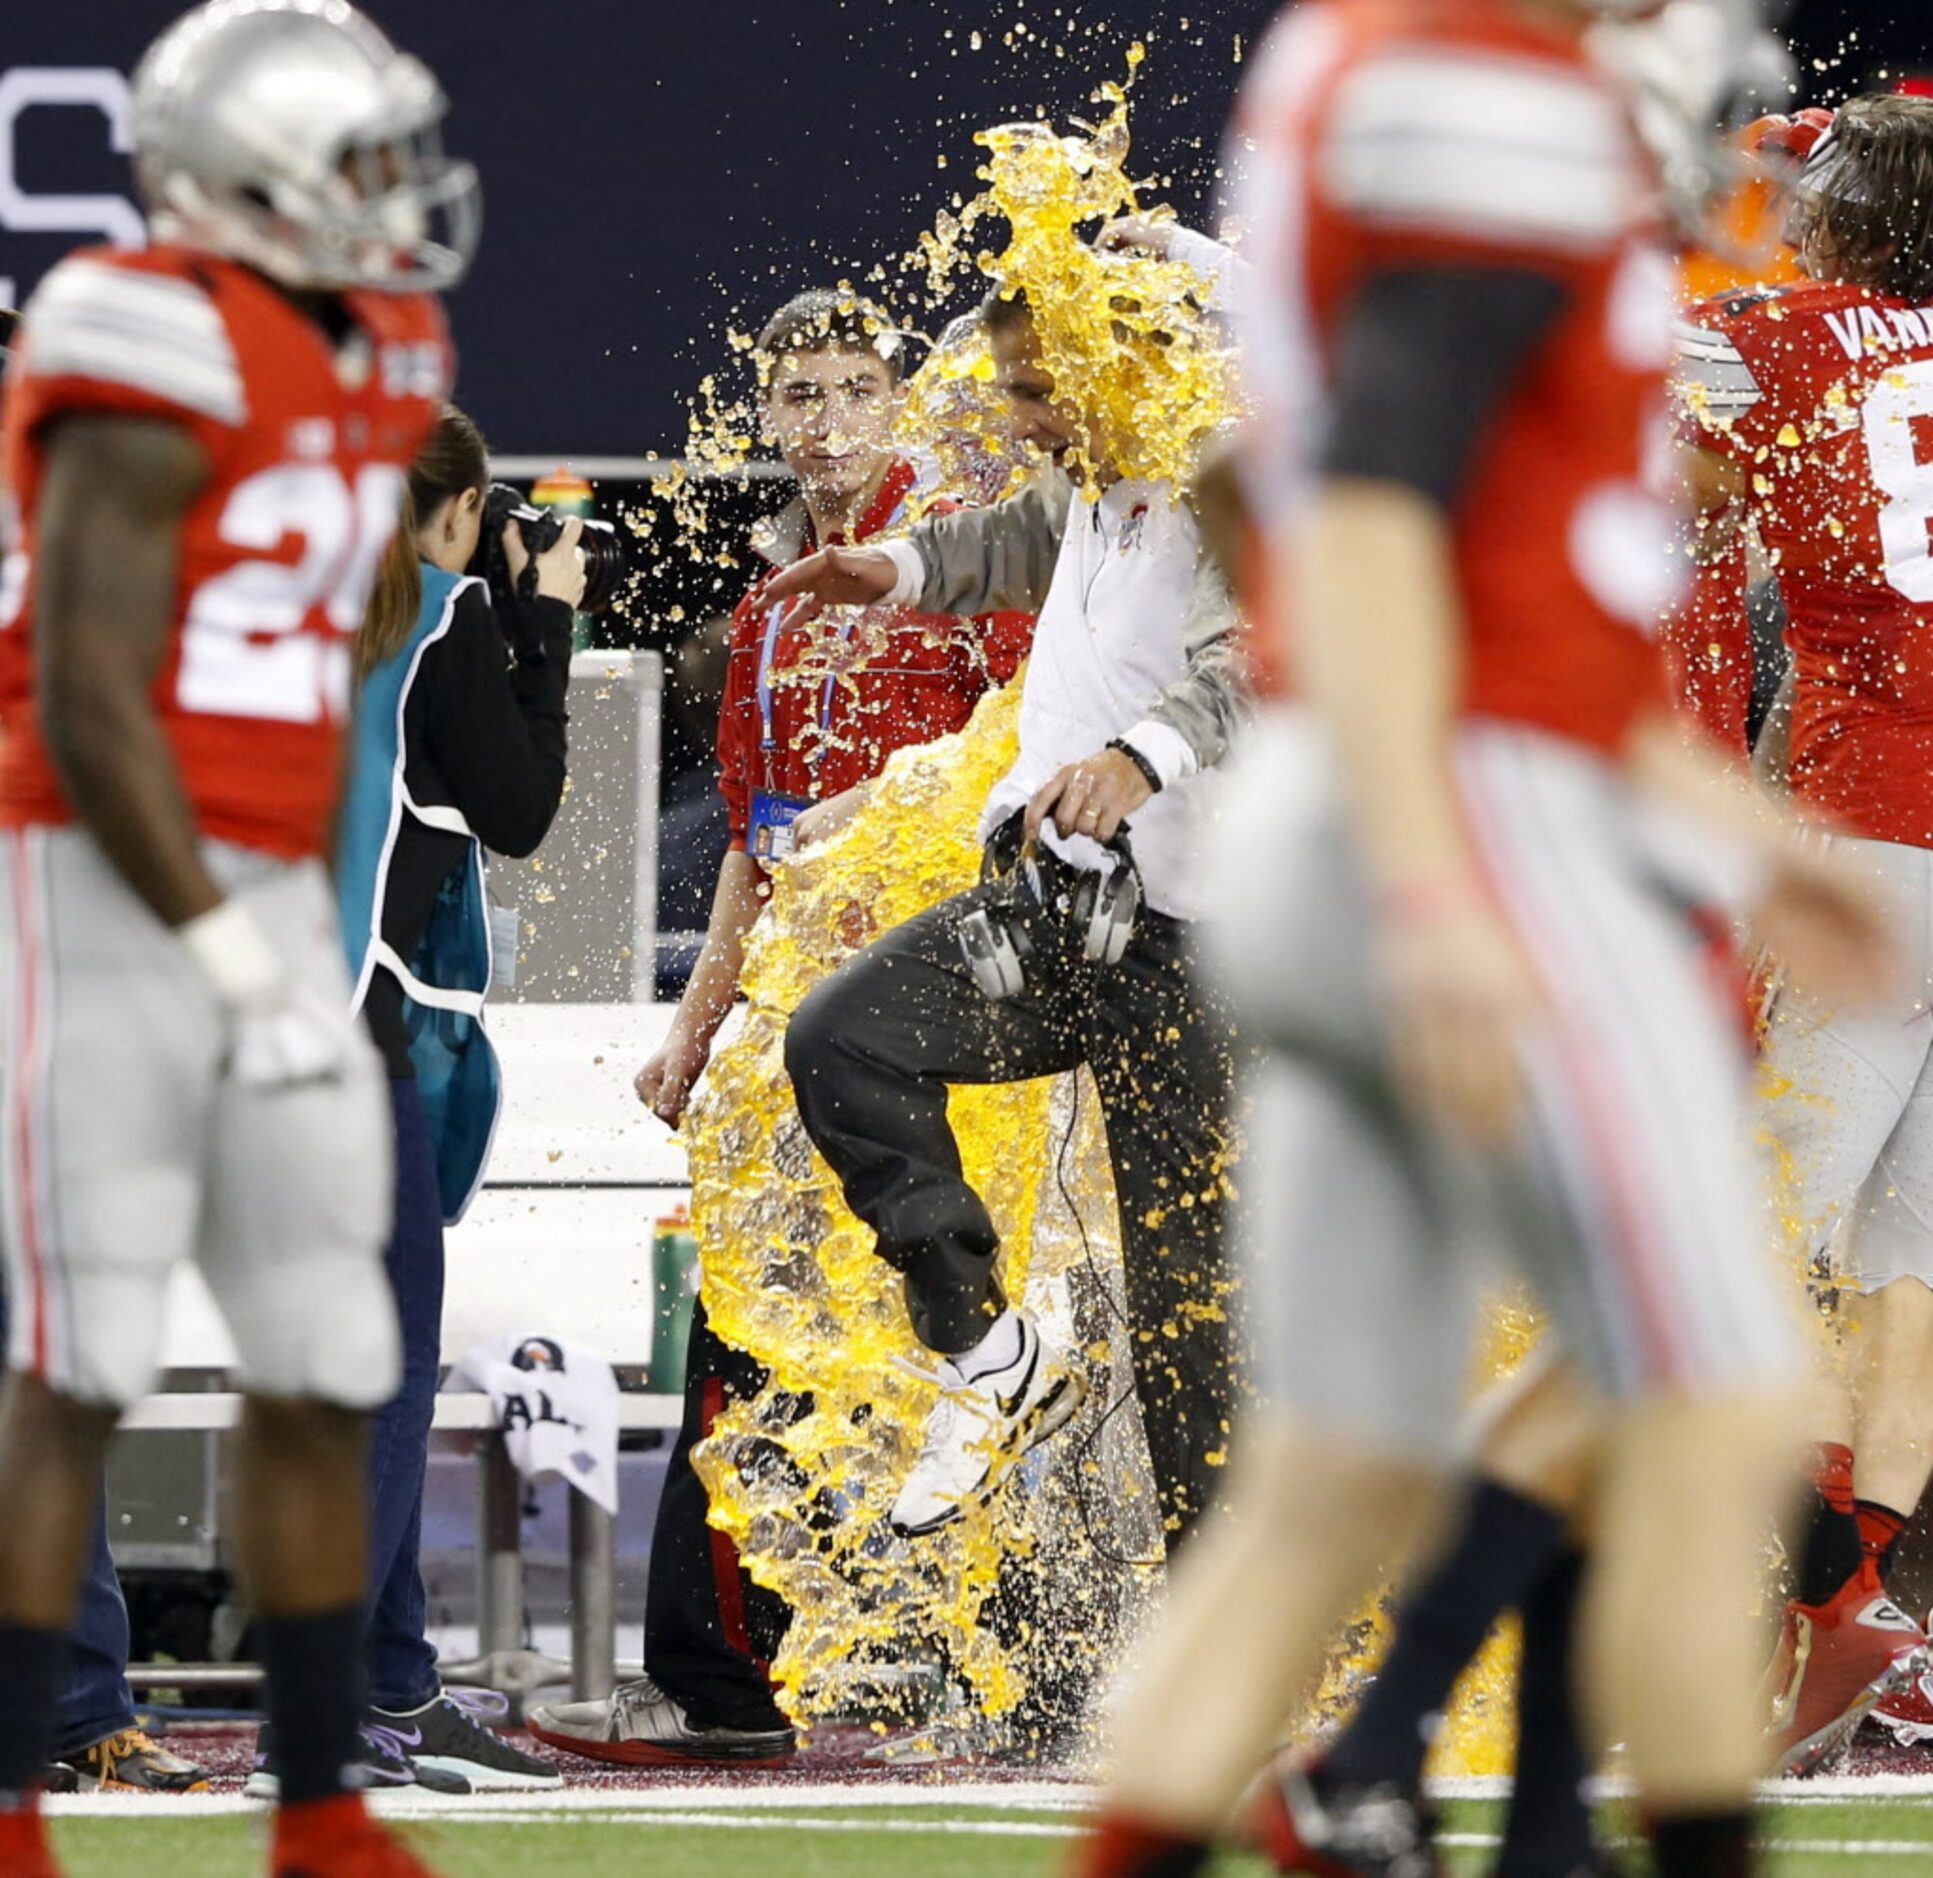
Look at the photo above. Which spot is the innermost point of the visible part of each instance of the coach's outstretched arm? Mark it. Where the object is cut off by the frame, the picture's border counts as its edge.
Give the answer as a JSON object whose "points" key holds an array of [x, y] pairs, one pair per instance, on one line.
{"points": [[993, 560]]}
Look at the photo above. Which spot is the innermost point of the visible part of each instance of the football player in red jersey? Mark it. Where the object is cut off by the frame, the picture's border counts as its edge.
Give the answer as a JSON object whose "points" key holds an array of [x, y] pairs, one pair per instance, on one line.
{"points": [[207, 443], [1457, 929], [1814, 404]]}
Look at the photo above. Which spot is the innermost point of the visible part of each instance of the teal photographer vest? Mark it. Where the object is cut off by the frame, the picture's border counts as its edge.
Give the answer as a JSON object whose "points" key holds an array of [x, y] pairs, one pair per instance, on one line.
{"points": [[444, 984]]}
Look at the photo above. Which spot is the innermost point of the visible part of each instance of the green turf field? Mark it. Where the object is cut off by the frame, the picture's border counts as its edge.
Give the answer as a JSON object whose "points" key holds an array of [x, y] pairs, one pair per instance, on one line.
{"points": [[703, 1839]]}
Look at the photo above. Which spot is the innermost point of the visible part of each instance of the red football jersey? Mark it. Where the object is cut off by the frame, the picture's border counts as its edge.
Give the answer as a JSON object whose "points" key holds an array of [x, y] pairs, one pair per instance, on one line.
{"points": [[1395, 135], [308, 442], [1708, 649], [809, 711], [1823, 393]]}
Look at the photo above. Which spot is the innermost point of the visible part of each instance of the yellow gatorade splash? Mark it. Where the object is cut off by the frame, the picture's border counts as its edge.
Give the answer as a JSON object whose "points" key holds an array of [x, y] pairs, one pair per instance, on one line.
{"points": [[1131, 341], [802, 1478]]}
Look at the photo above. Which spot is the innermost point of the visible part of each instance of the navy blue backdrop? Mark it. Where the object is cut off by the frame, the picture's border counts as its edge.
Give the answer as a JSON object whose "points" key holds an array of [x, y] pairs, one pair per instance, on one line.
{"points": [[652, 167]]}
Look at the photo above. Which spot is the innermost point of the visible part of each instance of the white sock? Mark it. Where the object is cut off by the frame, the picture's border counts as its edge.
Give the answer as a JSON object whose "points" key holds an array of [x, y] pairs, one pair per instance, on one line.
{"points": [[999, 1349]]}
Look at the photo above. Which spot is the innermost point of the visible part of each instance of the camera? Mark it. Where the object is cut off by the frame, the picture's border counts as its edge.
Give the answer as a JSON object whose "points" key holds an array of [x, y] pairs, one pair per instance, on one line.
{"points": [[600, 545]]}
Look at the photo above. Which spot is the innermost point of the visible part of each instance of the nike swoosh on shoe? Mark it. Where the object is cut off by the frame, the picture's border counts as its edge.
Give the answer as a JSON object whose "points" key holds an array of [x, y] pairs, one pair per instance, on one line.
{"points": [[1009, 1404]]}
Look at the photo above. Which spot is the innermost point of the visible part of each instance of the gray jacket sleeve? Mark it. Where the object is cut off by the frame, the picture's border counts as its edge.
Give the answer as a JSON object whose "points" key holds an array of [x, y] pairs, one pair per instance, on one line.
{"points": [[1209, 702], [994, 560]]}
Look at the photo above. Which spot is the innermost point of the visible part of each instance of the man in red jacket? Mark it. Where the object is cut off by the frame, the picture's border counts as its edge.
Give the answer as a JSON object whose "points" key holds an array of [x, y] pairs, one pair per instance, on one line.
{"points": [[811, 712]]}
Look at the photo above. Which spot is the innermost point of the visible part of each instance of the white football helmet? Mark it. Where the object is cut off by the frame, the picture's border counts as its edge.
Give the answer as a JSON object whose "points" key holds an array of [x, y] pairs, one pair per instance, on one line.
{"points": [[1696, 71], [290, 134]]}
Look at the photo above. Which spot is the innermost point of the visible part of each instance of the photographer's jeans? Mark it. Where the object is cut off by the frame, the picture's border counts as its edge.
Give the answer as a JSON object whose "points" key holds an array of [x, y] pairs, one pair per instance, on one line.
{"points": [[92, 1699], [401, 1663]]}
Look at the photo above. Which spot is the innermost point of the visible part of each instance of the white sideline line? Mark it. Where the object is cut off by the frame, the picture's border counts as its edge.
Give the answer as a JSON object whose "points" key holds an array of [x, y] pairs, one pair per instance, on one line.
{"points": [[1818, 1790], [787, 1822], [580, 1802], [786, 1802], [1852, 1848], [1469, 1787], [1810, 1848], [1835, 1787]]}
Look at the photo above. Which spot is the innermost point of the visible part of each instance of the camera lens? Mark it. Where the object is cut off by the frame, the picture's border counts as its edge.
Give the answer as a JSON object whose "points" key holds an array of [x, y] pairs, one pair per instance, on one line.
{"points": [[603, 553]]}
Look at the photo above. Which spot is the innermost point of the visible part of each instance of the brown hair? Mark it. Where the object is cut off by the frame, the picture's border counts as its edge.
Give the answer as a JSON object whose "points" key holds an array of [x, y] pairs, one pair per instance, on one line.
{"points": [[453, 459], [829, 319], [1875, 204], [1004, 309]]}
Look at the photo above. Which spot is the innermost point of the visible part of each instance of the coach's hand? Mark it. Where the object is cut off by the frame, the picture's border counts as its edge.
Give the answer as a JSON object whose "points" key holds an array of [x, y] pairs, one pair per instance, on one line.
{"points": [[664, 1083], [1092, 797], [1461, 997], [833, 577]]}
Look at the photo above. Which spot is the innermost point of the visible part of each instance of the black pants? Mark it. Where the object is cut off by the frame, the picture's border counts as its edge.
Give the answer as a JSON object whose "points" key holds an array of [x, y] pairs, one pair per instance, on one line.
{"points": [[871, 1052], [709, 1631]]}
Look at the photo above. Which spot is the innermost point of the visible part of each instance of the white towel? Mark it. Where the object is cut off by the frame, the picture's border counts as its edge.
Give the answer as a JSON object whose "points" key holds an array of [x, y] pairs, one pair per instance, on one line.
{"points": [[556, 1404]]}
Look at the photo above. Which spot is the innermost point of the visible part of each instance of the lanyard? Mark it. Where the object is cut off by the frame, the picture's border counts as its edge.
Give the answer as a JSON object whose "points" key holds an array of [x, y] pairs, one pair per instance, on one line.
{"points": [[773, 621]]}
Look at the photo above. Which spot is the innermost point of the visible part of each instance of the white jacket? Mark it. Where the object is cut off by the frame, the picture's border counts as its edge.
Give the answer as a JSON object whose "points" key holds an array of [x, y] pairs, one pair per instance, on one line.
{"points": [[1136, 640]]}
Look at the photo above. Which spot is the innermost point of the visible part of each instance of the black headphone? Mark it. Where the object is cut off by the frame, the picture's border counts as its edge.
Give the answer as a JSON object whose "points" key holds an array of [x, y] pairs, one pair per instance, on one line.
{"points": [[1100, 914]]}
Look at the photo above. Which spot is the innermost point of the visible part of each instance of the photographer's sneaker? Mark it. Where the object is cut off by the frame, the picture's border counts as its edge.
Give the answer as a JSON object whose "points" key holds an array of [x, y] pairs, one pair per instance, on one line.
{"points": [[451, 1735], [128, 1761], [381, 1765], [1005, 1395], [641, 1726]]}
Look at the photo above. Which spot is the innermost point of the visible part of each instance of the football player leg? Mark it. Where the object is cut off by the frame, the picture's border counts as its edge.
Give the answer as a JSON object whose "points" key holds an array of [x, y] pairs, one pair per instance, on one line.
{"points": [[1854, 1166], [1510, 1549], [291, 1245], [105, 1060], [1657, 1282], [96, 1742], [1324, 1499], [1889, 1358]]}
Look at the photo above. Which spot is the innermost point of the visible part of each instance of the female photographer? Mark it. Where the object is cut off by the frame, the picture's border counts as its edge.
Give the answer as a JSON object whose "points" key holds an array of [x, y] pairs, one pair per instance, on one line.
{"points": [[459, 748]]}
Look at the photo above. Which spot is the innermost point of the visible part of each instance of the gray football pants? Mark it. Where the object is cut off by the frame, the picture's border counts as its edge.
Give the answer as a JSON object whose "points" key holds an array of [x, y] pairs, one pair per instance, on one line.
{"points": [[1628, 1204]]}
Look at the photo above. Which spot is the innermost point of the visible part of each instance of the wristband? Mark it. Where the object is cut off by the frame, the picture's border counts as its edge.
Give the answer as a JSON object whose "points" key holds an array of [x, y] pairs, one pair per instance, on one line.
{"points": [[1139, 761], [909, 571], [234, 953]]}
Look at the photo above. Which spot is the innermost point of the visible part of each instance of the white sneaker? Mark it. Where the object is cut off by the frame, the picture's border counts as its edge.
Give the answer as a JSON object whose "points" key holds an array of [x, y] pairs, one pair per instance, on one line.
{"points": [[984, 1421]]}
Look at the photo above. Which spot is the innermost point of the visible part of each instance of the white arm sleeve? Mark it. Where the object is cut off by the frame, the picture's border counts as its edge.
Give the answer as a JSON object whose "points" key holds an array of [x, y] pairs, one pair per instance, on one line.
{"points": [[162, 337], [1494, 147]]}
